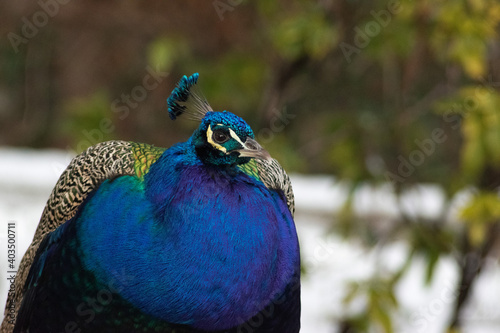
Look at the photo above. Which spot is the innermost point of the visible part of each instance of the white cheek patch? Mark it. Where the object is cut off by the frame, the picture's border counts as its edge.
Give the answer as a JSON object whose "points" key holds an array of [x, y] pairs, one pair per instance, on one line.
{"points": [[215, 145], [234, 136]]}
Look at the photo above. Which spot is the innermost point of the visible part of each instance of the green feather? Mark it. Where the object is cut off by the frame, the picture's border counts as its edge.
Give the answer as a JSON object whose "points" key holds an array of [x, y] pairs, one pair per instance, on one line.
{"points": [[251, 169], [144, 156]]}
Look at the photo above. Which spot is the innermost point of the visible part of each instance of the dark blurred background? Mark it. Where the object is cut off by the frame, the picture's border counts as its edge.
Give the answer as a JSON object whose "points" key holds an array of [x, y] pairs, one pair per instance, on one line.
{"points": [[398, 92], [355, 82]]}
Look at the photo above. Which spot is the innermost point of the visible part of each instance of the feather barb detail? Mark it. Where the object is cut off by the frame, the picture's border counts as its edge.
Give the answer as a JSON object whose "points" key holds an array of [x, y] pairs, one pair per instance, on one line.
{"points": [[187, 99]]}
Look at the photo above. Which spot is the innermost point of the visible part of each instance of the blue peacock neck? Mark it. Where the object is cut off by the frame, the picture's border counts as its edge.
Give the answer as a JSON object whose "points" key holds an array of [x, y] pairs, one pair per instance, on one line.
{"points": [[224, 245]]}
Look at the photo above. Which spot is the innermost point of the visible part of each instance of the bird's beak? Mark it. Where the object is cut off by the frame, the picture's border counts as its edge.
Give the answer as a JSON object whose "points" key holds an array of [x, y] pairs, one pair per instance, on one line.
{"points": [[251, 148]]}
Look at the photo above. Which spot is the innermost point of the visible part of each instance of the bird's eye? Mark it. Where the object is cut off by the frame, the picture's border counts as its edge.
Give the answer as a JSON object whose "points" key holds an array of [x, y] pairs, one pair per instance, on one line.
{"points": [[220, 137]]}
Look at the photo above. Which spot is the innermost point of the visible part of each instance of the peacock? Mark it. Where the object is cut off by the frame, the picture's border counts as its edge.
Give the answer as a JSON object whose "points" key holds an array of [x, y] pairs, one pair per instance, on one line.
{"points": [[198, 237]]}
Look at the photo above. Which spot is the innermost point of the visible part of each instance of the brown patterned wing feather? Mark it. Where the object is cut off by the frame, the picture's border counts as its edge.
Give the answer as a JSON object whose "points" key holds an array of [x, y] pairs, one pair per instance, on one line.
{"points": [[84, 174], [274, 176]]}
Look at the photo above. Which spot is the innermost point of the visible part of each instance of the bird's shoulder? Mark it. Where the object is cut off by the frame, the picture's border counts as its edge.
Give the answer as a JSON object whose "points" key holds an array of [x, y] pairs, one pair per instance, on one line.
{"points": [[144, 155], [84, 174], [273, 176], [88, 170]]}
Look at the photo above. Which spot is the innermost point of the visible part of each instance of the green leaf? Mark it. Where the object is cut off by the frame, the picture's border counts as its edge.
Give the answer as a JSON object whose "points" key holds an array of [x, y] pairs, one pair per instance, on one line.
{"points": [[381, 316], [432, 260], [353, 290], [483, 208]]}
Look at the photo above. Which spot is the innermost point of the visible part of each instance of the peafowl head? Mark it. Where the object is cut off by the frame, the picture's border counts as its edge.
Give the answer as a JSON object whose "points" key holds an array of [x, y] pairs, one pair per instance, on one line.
{"points": [[222, 138]]}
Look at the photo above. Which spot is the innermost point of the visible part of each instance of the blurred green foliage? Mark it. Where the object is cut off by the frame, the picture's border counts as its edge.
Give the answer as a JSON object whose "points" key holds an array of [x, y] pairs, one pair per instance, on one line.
{"points": [[88, 114], [304, 33], [480, 212], [380, 303]]}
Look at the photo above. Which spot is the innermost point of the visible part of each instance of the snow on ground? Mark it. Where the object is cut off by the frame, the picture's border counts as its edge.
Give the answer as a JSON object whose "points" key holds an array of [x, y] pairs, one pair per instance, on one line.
{"points": [[27, 177]]}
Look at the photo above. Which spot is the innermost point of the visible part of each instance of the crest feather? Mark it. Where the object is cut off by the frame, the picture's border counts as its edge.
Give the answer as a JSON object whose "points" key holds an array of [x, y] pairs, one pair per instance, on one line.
{"points": [[187, 99]]}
